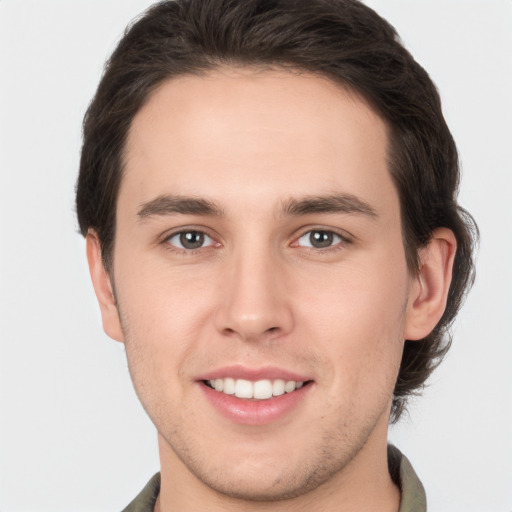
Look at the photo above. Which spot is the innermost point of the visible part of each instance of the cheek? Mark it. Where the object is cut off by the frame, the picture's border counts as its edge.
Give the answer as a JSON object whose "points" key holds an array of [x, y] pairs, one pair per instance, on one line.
{"points": [[158, 343], [357, 299], [162, 315], [160, 298], [357, 318]]}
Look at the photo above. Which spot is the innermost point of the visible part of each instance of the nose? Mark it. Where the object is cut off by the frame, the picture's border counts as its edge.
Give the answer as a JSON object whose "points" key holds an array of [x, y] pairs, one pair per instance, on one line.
{"points": [[254, 303]]}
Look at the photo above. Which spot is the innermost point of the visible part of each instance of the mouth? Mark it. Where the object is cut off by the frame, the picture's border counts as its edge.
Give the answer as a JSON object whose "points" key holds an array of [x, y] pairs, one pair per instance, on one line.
{"points": [[255, 396], [258, 390]]}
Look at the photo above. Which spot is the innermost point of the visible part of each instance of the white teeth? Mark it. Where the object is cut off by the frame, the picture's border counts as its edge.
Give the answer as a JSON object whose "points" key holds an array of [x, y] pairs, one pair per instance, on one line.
{"points": [[244, 389], [278, 387], [229, 386], [260, 390], [289, 386]]}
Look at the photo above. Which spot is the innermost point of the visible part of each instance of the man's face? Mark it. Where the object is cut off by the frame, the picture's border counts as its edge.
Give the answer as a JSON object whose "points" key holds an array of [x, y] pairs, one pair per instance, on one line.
{"points": [[258, 240]]}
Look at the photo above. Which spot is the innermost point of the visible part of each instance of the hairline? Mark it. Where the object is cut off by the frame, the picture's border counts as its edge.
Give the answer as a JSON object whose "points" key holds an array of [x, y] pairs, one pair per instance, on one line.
{"points": [[218, 65]]}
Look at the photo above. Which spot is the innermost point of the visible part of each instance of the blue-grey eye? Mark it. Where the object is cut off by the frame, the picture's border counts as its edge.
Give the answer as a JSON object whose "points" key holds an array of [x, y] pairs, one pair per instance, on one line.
{"points": [[319, 239], [190, 240]]}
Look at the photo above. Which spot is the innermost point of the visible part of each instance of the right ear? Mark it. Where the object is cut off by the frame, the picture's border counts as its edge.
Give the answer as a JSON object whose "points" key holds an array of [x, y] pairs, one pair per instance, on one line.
{"points": [[103, 288]]}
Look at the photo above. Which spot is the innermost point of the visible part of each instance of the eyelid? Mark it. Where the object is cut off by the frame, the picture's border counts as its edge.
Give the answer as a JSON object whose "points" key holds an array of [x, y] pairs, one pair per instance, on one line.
{"points": [[345, 237], [165, 237]]}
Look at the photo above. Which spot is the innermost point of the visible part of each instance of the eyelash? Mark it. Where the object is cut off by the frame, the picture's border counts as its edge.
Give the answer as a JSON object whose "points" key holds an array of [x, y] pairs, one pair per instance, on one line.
{"points": [[186, 251], [342, 242], [339, 245]]}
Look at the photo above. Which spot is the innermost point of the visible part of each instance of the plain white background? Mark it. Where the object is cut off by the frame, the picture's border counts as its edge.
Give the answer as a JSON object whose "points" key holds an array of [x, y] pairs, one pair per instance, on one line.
{"points": [[73, 436]]}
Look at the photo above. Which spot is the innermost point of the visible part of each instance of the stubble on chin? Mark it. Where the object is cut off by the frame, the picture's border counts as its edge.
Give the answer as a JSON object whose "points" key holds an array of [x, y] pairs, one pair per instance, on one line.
{"points": [[326, 464]]}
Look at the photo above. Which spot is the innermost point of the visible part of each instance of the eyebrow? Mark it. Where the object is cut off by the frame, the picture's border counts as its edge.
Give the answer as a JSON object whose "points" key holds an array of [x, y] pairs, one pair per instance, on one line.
{"points": [[171, 205], [184, 205], [336, 203]]}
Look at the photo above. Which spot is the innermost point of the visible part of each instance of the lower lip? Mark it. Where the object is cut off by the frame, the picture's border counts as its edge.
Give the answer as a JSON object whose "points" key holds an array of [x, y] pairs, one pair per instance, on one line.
{"points": [[255, 412]]}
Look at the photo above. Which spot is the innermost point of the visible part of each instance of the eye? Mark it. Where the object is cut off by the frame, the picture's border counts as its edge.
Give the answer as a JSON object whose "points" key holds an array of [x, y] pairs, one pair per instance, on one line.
{"points": [[190, 240], [319, 239]]}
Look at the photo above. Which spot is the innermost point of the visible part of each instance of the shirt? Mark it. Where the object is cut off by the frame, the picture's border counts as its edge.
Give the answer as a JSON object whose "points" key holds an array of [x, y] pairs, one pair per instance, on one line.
{"points": [[413, 497]]}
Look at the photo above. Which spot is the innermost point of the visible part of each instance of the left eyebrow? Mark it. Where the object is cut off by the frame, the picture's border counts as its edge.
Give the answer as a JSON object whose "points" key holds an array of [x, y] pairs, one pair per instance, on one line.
{"points": [[173, 205], [336, 203]]}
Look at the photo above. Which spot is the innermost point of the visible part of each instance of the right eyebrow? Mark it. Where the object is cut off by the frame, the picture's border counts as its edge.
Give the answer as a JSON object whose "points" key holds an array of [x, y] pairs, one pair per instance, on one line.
{"points": [[335, 203], [173, 204]]}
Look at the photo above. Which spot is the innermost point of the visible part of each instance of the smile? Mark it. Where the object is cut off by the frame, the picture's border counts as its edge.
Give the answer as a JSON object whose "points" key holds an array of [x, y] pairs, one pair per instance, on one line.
{"points": [[259, 390], [255, 396]]}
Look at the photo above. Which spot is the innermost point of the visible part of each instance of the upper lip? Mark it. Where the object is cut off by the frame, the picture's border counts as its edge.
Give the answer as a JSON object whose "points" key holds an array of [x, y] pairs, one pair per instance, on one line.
{"points": [[254, 374]]}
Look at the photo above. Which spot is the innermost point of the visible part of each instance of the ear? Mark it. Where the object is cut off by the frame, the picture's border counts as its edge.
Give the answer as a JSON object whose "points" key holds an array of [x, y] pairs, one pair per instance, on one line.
{"points": [[103, 288], [429, 289]]}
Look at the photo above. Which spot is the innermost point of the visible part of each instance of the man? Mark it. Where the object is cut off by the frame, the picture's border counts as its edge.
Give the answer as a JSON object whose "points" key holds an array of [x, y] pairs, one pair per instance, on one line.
{"points": [[268, 193]]}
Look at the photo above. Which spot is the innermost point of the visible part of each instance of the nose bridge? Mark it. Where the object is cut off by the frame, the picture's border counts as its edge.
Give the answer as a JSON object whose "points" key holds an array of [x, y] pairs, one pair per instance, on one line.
{"points": [[255, 302]]}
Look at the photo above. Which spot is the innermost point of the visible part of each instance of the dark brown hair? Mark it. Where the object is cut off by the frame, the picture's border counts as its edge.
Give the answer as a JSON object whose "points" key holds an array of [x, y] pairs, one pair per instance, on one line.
{"points": [[340, 39]]}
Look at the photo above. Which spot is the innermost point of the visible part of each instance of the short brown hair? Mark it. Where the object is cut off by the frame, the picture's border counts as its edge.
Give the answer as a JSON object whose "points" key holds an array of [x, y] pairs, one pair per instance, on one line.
{"points": [[343, 40]]}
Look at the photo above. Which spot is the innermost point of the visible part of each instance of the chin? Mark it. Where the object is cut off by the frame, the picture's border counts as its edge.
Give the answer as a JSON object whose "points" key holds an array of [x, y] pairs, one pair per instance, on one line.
{"points": [[267, 476], [261, 486]]}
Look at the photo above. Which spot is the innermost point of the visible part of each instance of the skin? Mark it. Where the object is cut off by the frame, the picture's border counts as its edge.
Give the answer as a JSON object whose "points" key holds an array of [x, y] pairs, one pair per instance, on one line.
{"points": [[257, 294]]}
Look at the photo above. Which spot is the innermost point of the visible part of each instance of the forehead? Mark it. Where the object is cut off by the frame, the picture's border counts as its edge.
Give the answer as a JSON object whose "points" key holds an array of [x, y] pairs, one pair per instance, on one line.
{"points": [[245, 134]]}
